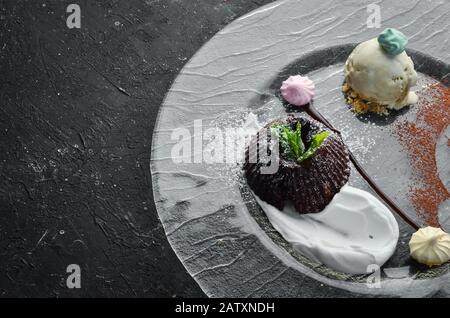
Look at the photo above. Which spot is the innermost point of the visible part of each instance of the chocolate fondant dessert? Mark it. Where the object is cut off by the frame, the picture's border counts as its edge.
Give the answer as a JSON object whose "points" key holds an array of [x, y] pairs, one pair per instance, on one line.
{"points": [[313, 164]]}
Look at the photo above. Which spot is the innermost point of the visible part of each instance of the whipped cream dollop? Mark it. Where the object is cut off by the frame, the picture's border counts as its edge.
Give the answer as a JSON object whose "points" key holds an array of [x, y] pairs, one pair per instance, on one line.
{"points": [[354, 231], [430, 246], [297, 90]]}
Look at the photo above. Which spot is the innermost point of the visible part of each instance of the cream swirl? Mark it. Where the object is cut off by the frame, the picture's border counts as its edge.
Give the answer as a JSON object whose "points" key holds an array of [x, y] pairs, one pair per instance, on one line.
{"points": [[352, 233], [297, 90]]}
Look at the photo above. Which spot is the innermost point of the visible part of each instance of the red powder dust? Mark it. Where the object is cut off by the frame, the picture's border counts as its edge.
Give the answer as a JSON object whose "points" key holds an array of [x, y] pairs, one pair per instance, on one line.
{"points": [[420, 138]]}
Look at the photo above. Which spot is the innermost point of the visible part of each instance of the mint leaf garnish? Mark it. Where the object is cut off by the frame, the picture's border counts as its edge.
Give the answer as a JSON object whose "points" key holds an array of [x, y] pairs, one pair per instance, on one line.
{"points": [[279, 131], [316, 142], [291, 143]]}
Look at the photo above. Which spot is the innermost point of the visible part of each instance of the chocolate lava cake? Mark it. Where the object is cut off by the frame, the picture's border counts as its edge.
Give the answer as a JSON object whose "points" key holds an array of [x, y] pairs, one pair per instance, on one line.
{"points": [[313, 164]]}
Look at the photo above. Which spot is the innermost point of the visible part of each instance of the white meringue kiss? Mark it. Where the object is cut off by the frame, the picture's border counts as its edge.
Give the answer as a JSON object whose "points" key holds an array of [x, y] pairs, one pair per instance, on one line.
{"points": [[430, 246], [297, 90]]}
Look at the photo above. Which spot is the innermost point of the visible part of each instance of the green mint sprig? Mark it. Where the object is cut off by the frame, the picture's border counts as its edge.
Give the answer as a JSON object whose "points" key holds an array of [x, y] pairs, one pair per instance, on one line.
{"points": [[291, 144]]}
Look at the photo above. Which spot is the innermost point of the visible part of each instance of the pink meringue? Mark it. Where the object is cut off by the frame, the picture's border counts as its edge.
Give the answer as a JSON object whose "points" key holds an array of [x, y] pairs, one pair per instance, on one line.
{"points": [[297, 90]]}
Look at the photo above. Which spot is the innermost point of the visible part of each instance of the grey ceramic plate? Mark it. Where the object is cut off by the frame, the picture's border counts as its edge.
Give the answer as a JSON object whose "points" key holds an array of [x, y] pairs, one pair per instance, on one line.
{"points": [[215, 227]]}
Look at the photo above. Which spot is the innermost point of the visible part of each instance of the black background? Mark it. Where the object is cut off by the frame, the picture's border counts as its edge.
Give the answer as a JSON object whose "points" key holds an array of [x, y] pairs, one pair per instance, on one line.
{"points": [[77, 111]]}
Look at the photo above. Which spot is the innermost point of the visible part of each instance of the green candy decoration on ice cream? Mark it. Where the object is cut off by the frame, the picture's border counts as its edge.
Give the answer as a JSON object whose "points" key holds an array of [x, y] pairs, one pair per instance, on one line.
{"points": [[392, 41]]}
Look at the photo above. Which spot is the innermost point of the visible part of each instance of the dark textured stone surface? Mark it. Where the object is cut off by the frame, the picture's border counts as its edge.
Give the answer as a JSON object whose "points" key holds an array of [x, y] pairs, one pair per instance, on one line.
{"points": [[77, 113]]}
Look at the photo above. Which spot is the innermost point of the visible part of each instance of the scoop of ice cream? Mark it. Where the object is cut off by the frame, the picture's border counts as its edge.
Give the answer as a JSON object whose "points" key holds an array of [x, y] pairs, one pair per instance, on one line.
{"points": [[430, 246], [297, 90], [377, 76]]}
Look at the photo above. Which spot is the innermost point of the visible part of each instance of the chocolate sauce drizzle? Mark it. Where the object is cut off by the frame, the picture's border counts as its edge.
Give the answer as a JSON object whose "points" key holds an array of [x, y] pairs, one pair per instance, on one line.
{"points": [[315, 114]]}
